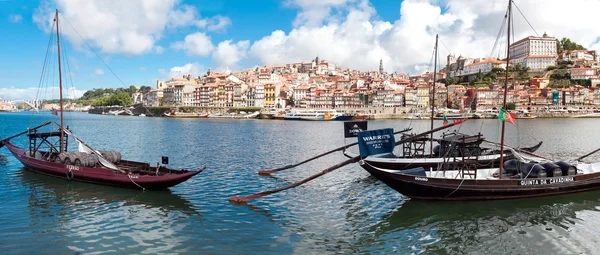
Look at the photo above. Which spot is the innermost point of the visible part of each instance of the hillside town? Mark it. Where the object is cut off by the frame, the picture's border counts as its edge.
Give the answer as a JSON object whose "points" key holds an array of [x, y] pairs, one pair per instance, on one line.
{"points": [[463, 83], [542, 77]]}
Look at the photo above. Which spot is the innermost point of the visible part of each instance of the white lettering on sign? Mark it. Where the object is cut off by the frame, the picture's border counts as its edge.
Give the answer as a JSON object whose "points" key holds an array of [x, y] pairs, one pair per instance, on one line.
{"points": [[547, 181], [73, 168], [376, 137], [423, 179], [133, 176]]}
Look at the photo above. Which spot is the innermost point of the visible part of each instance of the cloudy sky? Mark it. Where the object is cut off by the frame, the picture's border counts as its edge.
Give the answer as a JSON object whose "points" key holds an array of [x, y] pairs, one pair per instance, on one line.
{"points": [[145, 40]]}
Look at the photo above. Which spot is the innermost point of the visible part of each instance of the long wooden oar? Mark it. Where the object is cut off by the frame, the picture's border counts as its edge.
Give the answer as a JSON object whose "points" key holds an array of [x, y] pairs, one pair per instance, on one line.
{"points": [[332, 168], [587, 155], [22, 133], [269, 172]]}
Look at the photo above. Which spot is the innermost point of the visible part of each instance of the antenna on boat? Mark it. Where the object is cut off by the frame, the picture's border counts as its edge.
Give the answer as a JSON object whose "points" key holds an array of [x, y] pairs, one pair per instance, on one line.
{"points": [[62, 132], [505, 89], [433, 93]]}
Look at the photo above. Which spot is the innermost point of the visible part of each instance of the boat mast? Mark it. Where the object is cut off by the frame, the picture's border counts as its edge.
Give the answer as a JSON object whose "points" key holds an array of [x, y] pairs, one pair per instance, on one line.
{"points": [[62, 132], [433, 94], [505, 88]]}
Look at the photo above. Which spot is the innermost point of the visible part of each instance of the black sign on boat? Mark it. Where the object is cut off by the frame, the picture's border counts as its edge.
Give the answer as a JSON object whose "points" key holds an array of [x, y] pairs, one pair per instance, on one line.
{"points": [[352, 128]]}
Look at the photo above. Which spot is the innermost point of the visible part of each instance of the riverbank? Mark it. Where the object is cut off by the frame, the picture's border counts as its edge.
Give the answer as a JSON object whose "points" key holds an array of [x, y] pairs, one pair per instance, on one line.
{"points": [[544, 115], [374, 114]]}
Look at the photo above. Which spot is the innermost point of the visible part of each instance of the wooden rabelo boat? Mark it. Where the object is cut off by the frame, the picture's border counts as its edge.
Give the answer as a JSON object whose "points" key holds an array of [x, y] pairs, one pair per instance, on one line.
{"points": [[47, 154], [450, 149], [524, 176]]}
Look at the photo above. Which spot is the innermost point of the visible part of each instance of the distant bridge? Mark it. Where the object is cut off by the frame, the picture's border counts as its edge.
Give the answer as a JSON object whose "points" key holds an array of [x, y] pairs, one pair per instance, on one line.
{"points": [[32, 103]]}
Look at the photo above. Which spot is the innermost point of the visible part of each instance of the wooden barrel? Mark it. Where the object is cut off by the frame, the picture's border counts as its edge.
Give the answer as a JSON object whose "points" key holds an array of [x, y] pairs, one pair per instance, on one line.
{"points": [[533, 170], [552, 169], [86, 159], [567, 169], [62, 156], [112, 156], [68, 158]]}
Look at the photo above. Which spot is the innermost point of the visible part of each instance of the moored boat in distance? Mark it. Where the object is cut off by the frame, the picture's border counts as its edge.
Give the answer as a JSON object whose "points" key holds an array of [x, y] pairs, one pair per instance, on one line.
{"points": [[323, 115], [524, 114], [233, 115]]}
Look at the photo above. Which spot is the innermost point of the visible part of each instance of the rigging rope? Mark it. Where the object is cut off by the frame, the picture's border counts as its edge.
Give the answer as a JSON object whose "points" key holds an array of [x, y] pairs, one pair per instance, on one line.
{"points": [[500, 35], [523, 15], [43, 74], [69, 77], [92, 49], [440, 39]]}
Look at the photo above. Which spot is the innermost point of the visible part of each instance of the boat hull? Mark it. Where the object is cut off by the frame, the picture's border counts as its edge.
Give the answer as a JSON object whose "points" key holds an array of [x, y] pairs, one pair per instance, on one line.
{"points": [[188, 116], [427, 188], [99, 175]]}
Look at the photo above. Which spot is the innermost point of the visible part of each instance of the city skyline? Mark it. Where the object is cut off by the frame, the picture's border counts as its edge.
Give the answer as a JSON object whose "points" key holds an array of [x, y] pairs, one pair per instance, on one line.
{"points": [[178, 37]]}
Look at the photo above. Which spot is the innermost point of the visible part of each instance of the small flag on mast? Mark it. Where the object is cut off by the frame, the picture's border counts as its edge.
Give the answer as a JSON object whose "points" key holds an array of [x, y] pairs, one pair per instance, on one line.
{"points": [[445, 120], [504, 115]]}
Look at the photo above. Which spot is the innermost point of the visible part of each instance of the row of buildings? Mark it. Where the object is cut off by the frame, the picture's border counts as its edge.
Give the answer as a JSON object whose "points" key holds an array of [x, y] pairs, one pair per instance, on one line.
{"points": [[535, 53], [320, 84]]}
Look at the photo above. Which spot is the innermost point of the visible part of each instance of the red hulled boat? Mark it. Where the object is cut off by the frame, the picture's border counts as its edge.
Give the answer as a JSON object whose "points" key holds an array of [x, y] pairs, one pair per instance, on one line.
{"points": [[47, 154]]}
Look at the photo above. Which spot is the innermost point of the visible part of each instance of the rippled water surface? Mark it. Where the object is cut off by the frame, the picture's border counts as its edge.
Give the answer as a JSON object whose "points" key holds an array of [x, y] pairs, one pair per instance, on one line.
{"points": [[345, 211]]}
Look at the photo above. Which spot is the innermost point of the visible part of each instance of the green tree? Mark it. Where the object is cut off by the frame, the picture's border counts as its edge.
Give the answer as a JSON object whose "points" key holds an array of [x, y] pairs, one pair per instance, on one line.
{"points": [[566, 44], [132, 89], [498, 70], [511, 106]]}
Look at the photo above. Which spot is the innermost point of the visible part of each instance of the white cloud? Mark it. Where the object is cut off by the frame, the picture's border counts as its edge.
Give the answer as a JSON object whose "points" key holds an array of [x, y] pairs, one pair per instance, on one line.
{"points": [[218, 23], [129, 27], [314, 12], [196, 44], [34, 93], [350, 33], [194, 68], [15, 18], [99, 71], [228, 54], [159, 49]]}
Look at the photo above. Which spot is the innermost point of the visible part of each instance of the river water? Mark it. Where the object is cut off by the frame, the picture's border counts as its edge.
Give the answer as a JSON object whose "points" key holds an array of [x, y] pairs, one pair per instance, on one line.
{"points": [[345, 211]]}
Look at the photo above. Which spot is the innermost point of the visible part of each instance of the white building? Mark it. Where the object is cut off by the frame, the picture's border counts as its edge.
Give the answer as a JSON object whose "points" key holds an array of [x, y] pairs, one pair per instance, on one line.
{"points": [[155, 98], [259, 95], [535, 63], [583, 73], [483, 66], [180, 95], [534, 52]]}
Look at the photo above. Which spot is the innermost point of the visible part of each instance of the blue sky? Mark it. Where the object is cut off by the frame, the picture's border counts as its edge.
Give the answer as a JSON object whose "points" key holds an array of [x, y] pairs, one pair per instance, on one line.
{"points": [[145, 40], [24, 43]]}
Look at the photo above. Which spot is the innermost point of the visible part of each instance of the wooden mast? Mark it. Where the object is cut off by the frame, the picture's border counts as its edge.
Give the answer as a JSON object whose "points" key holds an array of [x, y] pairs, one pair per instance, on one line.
{"points": [[433, 94], [505, 89], [62, 132]]}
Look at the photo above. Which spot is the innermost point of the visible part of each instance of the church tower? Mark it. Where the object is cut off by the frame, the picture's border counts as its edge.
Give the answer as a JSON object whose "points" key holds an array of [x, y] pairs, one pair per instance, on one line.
{"points": [[381, 66]]}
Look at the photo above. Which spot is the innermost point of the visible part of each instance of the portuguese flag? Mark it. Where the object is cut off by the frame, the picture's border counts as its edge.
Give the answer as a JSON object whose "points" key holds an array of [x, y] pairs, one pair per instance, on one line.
{"points": [[445, 120], [507, 116]]}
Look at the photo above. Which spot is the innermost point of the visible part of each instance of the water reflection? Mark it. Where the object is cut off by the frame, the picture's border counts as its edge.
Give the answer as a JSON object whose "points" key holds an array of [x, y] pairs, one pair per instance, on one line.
{"points": [[3, 160], [528, 225], [99, 218]]}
